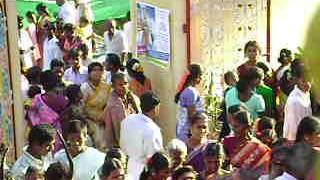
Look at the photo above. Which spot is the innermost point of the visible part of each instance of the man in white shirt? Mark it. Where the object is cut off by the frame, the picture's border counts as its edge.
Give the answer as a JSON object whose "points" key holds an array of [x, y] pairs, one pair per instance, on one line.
{"points": [[25, 45], [83, 9], [77, 73], [298, 104], [114, 40], [67, 11], [140, 137], [51, 50], [86, 160], [38, 152]]}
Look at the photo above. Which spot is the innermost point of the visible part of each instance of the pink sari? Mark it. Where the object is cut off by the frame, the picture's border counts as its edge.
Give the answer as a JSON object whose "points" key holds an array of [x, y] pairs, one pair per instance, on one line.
{"points": [[41, 113]]}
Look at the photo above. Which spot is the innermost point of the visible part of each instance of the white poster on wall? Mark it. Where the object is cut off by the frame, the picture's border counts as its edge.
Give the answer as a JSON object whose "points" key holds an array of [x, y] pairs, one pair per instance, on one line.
{"points": [[153, 33]]}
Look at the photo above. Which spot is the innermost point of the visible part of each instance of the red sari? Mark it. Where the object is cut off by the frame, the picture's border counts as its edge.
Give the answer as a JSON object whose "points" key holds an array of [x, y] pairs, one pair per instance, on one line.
{"points": [[252, 154]]}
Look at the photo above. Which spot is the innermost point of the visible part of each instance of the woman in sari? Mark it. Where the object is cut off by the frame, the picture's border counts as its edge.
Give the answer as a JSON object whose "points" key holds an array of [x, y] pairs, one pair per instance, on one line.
{"points": [[32, 31], [95, 96], [189, 100], [139, 83], [43, 20], [198, 141], [242, 149], [48, 107]]}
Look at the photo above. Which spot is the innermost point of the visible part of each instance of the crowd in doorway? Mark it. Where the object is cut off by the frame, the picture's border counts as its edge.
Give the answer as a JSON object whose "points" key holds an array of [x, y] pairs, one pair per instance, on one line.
{"points": [[88, 120]]}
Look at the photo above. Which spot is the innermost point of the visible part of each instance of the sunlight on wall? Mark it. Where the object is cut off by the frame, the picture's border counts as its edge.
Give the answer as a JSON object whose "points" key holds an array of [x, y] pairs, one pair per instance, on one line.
{"points": [[289, 23]]}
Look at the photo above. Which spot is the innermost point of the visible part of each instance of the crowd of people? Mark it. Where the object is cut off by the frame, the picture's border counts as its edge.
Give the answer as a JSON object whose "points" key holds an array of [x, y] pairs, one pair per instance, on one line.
{"points": [[90, 120]]}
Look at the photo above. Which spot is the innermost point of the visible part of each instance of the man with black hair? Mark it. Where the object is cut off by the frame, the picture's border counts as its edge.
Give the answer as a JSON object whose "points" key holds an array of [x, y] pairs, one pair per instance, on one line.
{"points": [[76, 73], [86, 160], [112, 65], [298, 104], [140, 136], [114, 40], [38, 152], [51, 50]]}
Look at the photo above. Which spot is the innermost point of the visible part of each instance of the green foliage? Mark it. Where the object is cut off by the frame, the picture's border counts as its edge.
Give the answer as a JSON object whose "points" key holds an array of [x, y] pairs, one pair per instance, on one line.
{"points": [[212, 104]]}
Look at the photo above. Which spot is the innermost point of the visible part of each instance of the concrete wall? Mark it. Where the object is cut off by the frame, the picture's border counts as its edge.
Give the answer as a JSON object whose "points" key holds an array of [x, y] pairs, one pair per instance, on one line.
{"points": [[164, 81]]}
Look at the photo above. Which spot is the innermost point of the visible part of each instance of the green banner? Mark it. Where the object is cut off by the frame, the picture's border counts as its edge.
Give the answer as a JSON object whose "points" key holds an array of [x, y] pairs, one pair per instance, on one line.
{"points": [[102, 9]]}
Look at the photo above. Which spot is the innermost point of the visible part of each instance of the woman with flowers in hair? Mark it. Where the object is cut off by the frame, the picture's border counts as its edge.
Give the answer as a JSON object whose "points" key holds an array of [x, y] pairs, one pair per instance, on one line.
{"points": [[189, 100], [139, 83]]}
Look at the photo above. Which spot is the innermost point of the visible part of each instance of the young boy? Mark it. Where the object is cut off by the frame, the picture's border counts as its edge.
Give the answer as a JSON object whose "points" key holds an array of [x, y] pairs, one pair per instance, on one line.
{"points": [[77, 73], [38, 152], [86, 160]]}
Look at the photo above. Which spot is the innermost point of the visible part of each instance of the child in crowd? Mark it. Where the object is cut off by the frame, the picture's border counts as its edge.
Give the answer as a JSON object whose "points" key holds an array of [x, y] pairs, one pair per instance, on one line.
{"points": [[265, 131], [184, 173], [38, 152], [84, 55], [76, 73], [74, 109], [213, 158], [57, 67], [230, 80], [118, 154], [157, 168], [266, 92], [33, 174], [177, 151], [110, 170], [112, 65], [56, 172]]}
